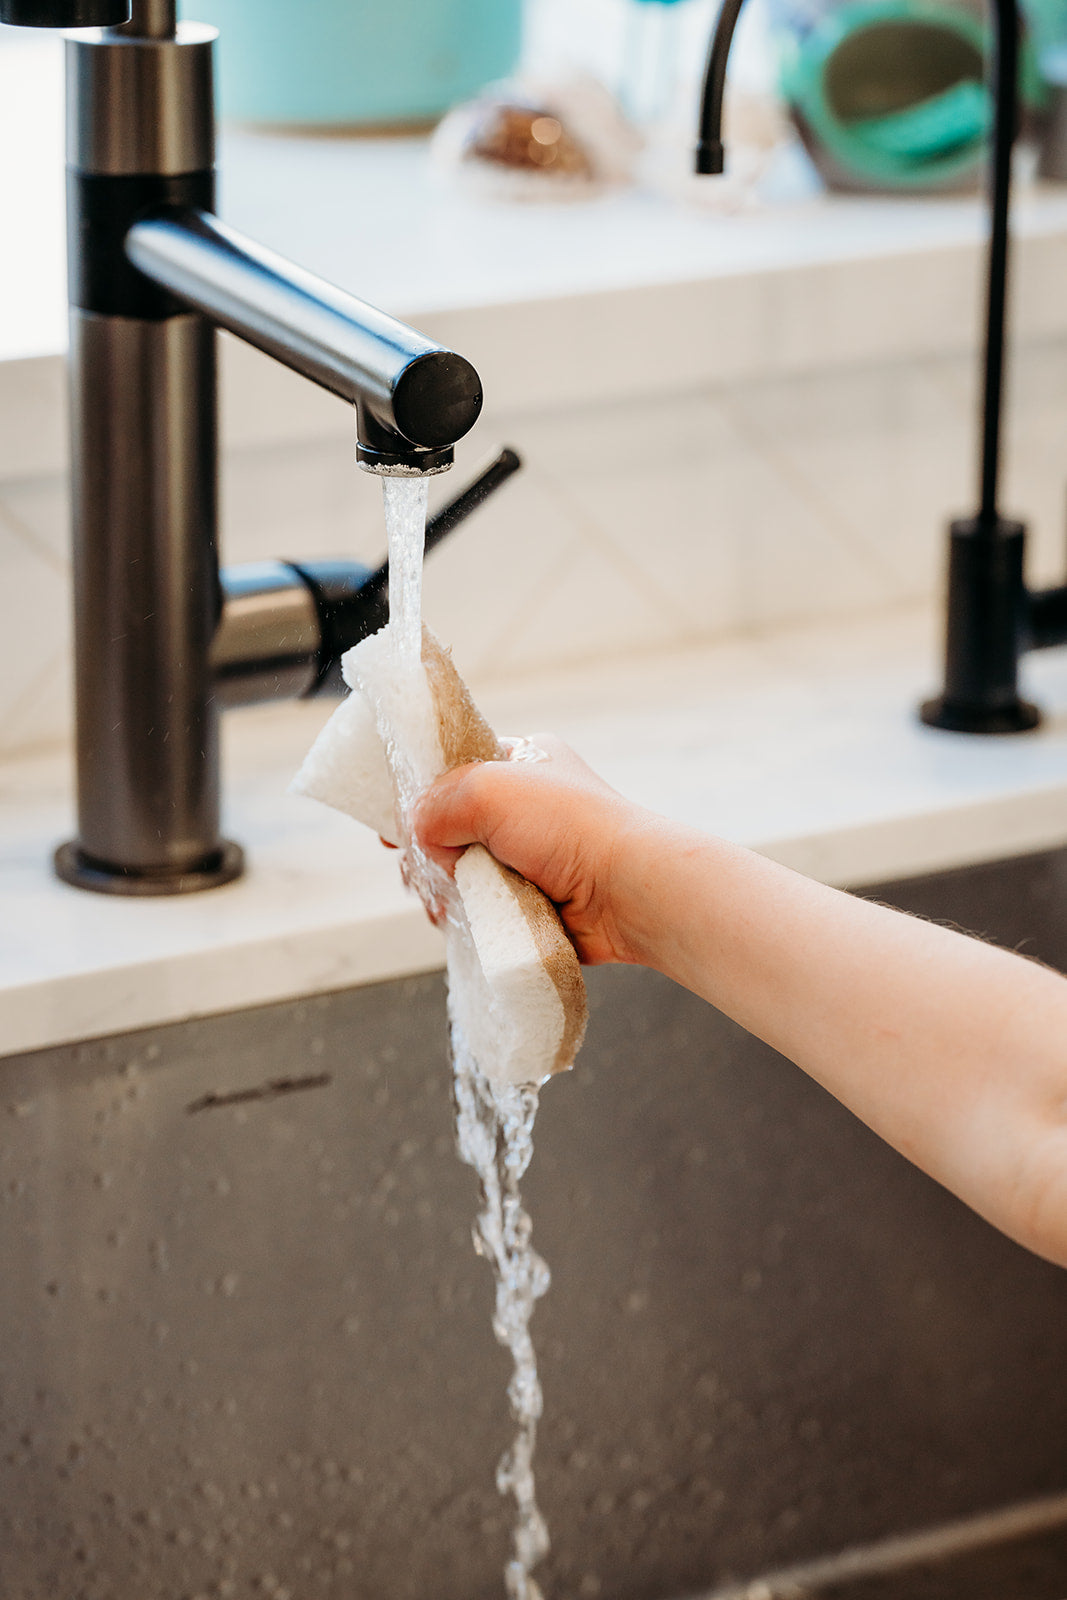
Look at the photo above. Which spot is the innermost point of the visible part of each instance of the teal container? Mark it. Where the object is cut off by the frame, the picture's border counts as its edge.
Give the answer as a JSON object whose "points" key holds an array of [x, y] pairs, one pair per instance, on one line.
{"points": [[340, 63]]}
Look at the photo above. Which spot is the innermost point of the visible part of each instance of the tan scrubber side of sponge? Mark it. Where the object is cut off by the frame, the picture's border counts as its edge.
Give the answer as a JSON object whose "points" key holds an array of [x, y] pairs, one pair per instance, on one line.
{"points": [[516, 991], [463, 732]]}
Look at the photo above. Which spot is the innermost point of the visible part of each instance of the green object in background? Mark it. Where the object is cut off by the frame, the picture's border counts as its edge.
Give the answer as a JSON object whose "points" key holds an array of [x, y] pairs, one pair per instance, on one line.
{"points": [[892, 92], [330, 63], [955, 120]]}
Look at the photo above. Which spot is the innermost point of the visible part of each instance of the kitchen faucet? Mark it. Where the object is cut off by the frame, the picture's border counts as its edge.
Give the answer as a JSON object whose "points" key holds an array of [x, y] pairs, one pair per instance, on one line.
{"points": [[992, 617], [162, 640]]}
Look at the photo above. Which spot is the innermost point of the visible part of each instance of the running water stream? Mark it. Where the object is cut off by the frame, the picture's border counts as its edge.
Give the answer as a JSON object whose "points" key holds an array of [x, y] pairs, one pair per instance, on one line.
{"points": [[494, 1135], [405, 529], [494, 1122]]}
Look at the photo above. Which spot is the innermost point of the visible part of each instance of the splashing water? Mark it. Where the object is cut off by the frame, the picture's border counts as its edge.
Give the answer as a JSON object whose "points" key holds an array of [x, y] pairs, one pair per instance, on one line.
{"points": [[494, 1122]]}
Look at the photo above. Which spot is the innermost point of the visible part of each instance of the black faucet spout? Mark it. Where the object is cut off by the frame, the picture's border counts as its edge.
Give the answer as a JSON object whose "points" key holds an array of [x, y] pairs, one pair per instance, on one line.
{"points": [[413, 398]]}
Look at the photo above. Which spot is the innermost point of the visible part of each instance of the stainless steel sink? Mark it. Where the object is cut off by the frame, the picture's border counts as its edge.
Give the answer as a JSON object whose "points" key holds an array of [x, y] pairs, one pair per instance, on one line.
{"points": [[245, 1345]]}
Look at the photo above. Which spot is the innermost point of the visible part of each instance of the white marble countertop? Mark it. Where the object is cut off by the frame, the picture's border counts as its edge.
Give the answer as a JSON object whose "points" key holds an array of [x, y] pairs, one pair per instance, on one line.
{"points": [[802, 744]]}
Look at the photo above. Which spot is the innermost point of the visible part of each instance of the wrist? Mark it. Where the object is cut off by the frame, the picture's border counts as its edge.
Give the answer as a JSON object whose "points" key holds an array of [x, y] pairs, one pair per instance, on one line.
{"points": [[669, 890], [638, 911]]}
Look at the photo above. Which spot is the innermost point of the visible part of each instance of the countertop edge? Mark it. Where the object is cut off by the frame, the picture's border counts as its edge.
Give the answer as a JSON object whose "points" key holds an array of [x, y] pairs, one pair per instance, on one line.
{"points": [[366, 950], [801, 743]]}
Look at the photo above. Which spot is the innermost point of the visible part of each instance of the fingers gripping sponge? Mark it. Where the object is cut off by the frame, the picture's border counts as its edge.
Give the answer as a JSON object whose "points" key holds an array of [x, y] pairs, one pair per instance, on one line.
{"points": [[515, 986]]}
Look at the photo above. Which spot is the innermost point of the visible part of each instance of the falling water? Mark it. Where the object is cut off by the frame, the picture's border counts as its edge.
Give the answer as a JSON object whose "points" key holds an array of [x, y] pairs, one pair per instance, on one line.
{"points": [[494, 1123], [405, 500], [405, 528], [494, 1135]]}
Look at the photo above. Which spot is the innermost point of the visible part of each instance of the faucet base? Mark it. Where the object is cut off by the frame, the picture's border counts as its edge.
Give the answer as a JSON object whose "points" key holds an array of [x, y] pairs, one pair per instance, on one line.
{"points": [[1019, 717], [73, 866]]}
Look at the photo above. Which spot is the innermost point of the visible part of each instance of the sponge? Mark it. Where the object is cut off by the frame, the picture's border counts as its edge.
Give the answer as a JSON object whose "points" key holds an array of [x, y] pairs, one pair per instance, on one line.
{"points": [[517, 999]]}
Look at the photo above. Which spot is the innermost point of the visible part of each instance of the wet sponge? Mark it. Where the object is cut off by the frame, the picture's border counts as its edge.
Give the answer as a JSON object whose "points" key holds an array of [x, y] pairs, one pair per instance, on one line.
{"points": [[516, 993]]}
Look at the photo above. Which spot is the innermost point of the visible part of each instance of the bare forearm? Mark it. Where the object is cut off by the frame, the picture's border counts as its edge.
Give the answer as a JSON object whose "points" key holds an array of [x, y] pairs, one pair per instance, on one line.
{"points": [[955, 1052]]}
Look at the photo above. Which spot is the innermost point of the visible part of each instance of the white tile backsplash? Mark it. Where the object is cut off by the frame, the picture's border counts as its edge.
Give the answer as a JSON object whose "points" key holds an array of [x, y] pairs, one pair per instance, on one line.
{"points": [[34, 639], [294, 502], [33, 438], [637, 522], [880, 456], [39, 508], [505, 572]]}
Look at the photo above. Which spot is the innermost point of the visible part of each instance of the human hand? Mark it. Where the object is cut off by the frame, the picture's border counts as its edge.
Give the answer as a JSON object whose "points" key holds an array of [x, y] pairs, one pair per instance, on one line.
{"points": [[553, 821]]}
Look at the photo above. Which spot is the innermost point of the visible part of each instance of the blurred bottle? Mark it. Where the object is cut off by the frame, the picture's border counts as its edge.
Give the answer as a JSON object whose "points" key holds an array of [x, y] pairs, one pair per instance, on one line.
{"points": [[653, 58]]}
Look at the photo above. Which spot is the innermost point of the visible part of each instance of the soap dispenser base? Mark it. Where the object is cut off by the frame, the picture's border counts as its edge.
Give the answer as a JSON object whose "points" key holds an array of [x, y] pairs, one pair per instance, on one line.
{"points": [[73, 866]]}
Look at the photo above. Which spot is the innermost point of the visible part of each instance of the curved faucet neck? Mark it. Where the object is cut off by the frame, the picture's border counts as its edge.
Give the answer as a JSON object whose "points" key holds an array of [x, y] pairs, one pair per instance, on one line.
{"points": [[1005, 78], [710, 147]]}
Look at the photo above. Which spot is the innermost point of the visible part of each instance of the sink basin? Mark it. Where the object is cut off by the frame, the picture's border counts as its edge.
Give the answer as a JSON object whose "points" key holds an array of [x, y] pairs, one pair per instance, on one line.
{"points": [[245, 1346]]}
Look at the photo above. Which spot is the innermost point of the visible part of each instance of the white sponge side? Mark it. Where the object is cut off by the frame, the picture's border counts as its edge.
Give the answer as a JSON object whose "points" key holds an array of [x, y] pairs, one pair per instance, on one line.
{"points": [[516, 994], [400, 696], [521, 1022], [346, 768]]}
